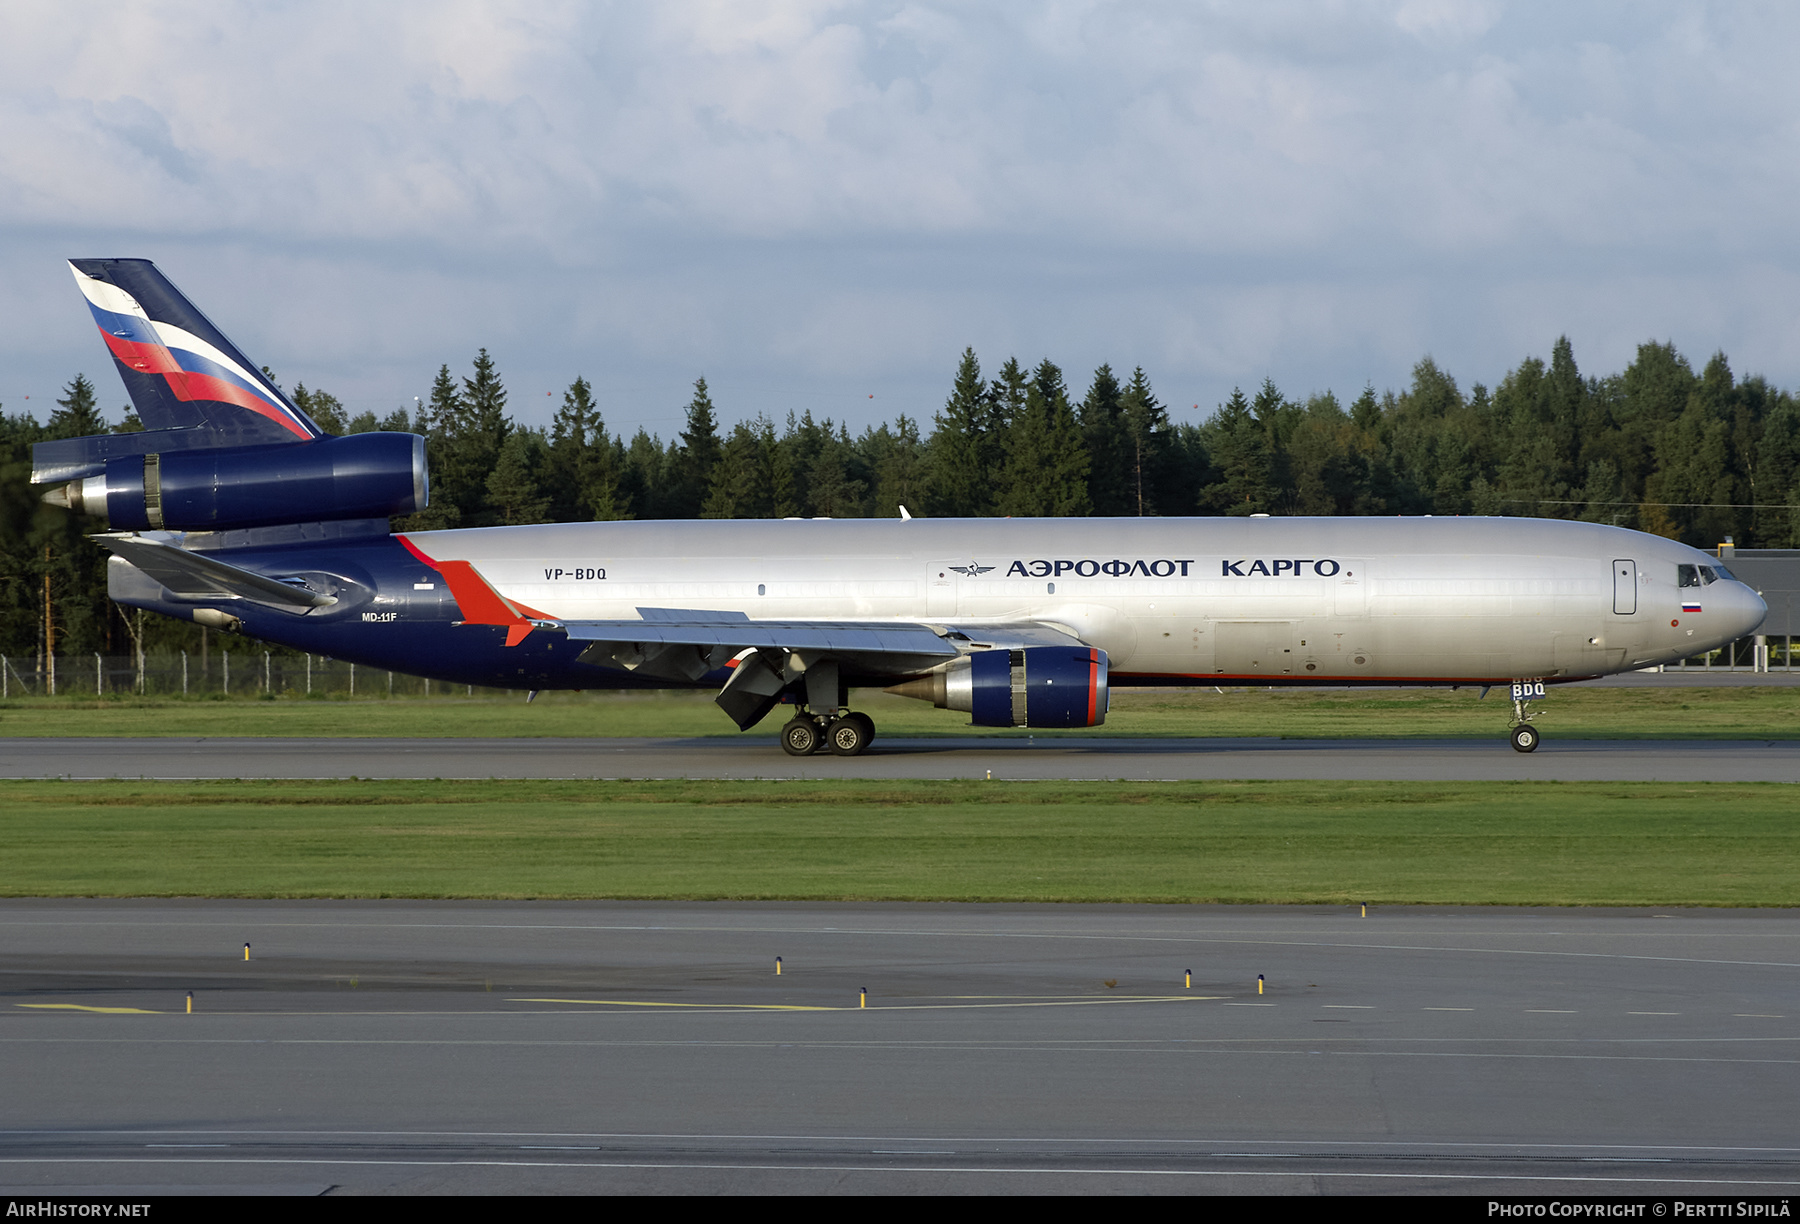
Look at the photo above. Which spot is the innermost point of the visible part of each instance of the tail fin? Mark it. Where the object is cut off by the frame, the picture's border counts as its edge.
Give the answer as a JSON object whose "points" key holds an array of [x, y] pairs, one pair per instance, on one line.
{"points": [[222, 447], [181, 371], [192, 387]]}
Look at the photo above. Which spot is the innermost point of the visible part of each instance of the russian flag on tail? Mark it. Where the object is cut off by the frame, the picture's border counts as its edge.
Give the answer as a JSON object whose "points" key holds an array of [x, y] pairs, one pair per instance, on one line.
{"points": [[181, 371]]}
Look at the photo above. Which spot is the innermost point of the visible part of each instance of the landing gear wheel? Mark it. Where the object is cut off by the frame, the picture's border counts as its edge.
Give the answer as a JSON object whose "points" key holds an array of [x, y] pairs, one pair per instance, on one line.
{"points": [[800, 737], [868, 726], [849, 735], [1524, 738]]}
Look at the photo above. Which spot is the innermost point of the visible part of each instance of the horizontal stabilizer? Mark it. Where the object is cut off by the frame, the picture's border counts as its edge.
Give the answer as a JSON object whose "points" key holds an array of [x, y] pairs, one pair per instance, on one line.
{"points": [[74, 458], [191, 576]]}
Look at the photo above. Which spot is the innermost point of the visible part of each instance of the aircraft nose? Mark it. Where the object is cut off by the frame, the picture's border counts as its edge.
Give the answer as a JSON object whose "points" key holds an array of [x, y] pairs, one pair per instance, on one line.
{"points": [[1747, 610]]}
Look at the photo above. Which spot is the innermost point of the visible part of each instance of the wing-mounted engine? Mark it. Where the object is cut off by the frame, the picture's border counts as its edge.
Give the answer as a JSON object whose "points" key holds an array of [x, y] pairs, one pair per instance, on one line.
{"points": [[369, 475], [1038, 686]]}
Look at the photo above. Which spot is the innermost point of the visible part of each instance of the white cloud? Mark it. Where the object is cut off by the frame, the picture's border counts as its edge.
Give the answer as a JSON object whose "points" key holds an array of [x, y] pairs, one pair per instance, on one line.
{"points": [[1337, 188]]}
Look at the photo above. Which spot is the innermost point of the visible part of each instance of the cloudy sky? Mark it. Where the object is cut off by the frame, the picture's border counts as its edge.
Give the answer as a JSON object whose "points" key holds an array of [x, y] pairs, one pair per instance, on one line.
{"points": [[818, 205]]}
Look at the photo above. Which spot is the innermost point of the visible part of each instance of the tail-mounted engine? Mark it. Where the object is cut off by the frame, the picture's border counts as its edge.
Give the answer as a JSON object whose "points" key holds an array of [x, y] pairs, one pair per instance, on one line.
{"points": [[1040, 686], [369, 475]]}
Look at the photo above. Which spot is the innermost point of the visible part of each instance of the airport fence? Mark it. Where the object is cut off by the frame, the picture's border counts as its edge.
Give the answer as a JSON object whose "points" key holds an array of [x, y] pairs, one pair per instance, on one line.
{"points": [[1762, 653], [217, 675]]}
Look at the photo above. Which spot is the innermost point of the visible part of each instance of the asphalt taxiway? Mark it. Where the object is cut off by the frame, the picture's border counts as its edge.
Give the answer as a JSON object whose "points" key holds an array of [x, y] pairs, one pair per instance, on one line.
{"points": [[1015, 758], [399, 1047]]}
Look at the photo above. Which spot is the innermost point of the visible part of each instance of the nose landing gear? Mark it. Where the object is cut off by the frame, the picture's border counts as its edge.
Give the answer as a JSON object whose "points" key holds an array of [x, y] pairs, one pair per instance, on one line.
{"points": [[1524, 736]]}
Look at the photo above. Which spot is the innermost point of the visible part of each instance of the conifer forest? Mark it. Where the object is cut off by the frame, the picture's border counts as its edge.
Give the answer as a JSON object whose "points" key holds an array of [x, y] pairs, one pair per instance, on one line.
{"points": [[1695, 455]]}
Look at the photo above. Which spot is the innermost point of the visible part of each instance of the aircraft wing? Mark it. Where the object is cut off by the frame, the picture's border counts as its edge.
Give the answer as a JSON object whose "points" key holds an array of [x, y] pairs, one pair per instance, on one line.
{"points": [[1012, 635], [683, 627], [192, 576]]}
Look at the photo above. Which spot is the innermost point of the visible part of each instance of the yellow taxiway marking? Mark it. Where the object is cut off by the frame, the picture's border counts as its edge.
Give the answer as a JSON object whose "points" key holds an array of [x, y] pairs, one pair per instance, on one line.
{"points": [[111, 1011], [885, 1006]]}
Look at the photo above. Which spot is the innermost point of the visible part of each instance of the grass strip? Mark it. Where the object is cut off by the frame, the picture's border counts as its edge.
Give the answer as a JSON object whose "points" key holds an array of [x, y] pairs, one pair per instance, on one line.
{"points": [[1771, 712], [1524, 843]]}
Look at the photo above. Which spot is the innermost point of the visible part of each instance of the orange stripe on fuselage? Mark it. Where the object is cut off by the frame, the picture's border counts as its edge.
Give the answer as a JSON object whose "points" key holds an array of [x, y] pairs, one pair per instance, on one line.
{"points": [[479, 602]]}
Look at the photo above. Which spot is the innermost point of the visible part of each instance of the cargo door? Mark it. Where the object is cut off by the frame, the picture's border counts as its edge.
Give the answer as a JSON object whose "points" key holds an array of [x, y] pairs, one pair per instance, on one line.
{"points": [[1255, 648]]}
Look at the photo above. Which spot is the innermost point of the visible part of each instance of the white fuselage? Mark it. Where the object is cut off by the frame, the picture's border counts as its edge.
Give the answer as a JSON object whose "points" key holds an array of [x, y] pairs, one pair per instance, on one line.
{"points": [[1287, 599]]}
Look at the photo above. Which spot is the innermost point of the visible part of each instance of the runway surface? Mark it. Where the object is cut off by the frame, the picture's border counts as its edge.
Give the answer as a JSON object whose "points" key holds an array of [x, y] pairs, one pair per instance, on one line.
{"points": [[1068, 758], [448, 1048]]}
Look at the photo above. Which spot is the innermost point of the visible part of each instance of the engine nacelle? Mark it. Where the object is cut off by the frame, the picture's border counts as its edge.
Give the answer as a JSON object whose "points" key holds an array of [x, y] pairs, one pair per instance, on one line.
{"points": [[367, 475], [1040, 686]]}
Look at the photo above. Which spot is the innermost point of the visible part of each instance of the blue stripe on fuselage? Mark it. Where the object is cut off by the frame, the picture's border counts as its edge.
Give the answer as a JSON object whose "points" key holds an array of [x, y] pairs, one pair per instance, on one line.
{"points": [[381, 620]]}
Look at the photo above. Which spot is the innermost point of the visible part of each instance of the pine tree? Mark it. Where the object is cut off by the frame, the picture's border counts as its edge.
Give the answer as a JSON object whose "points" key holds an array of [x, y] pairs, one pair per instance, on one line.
{"points": [[472, 425], [644, 476], [323, 409], [514, 496], [1148, 478], [741, 486], [697, 456], [1239, 449], [1006, 405], [1103, 431], [77, 416], [484, 408], [441, 420], [959, 455], [581, 473], [799, 449], [1046, 464], [833, 492], [898, 462]]}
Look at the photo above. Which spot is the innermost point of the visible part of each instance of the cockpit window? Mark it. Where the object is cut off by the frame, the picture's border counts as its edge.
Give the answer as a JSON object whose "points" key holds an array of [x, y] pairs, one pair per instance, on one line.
{"points": [[1708, 575], [1725, 573], [1687, 575]]}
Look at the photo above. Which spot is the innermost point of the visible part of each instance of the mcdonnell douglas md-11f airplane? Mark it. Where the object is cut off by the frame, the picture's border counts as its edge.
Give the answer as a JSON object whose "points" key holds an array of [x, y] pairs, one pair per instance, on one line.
{"points": [[234, 510]]}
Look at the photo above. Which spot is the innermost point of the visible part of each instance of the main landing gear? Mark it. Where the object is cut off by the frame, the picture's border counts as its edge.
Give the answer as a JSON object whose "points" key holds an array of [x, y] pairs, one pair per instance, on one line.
{"points": [[1524, 736], [846, 735]]}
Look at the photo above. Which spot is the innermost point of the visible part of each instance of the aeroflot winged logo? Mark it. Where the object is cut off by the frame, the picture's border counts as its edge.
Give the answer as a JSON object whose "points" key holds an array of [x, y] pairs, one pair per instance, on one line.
{"points": [[1166, 567]]}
